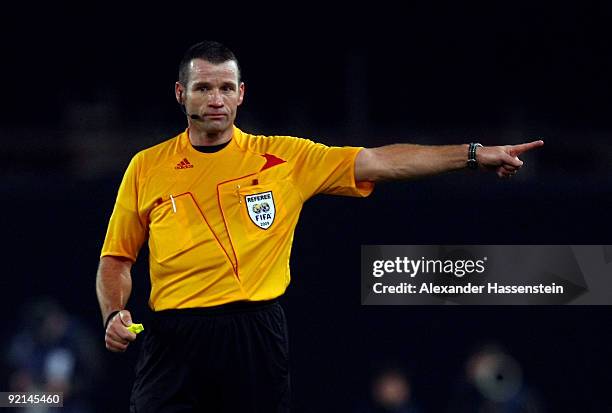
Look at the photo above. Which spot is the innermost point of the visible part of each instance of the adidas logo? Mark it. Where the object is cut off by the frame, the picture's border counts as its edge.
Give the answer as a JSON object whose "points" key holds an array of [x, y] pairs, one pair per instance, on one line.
{"points": [[184, 164]]}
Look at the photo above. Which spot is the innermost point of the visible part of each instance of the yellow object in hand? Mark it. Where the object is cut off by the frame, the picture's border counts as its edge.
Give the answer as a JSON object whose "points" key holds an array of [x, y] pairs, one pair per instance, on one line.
{"points": [[136, 328]]}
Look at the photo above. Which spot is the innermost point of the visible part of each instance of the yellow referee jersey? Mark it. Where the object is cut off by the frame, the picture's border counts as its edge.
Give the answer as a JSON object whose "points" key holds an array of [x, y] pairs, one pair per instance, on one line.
{"points": [[220, 225]]}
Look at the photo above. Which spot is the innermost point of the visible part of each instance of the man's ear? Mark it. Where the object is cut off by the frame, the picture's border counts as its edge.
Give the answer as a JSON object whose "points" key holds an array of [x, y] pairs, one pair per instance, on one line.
{"points": [[178, 92], [241, 93]]}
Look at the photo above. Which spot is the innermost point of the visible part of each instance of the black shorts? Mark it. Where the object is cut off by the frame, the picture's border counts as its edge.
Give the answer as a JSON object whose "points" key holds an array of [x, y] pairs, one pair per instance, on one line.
{"points": [[230, 358]]}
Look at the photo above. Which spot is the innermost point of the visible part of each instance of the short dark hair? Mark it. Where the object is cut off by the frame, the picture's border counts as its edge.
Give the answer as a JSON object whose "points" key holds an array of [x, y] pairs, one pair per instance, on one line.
{"points": [[211, 51]]}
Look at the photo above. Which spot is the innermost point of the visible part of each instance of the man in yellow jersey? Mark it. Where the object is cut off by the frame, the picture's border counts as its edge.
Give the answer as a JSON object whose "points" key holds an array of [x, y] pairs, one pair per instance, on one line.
{"points": [[218, 207]]}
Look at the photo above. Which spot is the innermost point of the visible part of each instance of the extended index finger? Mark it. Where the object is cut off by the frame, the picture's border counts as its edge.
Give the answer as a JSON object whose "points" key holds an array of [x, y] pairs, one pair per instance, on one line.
{"points": [[524, 147]]}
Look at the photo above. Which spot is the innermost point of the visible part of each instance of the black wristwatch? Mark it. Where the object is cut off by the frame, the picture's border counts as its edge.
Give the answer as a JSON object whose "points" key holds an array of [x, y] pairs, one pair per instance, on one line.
{"points": [[110, 317], [472, 163]]}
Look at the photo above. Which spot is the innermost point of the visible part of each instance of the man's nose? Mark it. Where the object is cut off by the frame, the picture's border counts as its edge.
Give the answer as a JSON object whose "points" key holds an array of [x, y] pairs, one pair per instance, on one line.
{"points": [[215, 100]]}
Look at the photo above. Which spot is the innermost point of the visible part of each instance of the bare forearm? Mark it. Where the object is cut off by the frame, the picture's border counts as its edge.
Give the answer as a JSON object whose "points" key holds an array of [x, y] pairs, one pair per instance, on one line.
{"points": [[408, 161], [113, 284]]}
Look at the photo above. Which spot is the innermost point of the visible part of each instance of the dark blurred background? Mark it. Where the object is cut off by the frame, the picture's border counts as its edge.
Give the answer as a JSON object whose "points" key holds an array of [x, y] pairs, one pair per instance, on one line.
{"points": [[87, 86]]}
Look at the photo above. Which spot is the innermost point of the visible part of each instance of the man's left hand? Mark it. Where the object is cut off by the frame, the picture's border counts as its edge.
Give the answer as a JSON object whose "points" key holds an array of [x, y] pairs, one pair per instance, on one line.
{"points": [[504, 160]]}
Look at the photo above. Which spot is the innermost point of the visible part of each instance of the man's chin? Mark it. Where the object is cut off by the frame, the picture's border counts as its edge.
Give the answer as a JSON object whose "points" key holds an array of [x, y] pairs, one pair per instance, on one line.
{"points": [[217, 127]]}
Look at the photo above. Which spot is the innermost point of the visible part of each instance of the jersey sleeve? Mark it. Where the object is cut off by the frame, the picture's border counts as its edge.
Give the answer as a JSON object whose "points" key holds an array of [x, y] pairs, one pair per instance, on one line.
{"points": [[126, 229], [329, 170]]}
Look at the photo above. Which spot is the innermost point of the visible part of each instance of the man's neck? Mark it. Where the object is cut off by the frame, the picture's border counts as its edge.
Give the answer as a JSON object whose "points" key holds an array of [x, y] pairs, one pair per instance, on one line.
{"points": [[203, 138]]}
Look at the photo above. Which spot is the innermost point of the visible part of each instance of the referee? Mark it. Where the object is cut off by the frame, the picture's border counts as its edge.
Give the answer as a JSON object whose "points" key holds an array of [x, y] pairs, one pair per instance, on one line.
{"points": [[218, 207]]}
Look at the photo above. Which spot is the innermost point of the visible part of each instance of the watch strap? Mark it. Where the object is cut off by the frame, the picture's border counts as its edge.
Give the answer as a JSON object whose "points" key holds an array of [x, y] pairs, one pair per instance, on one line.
{"points": [[472, 162]]}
